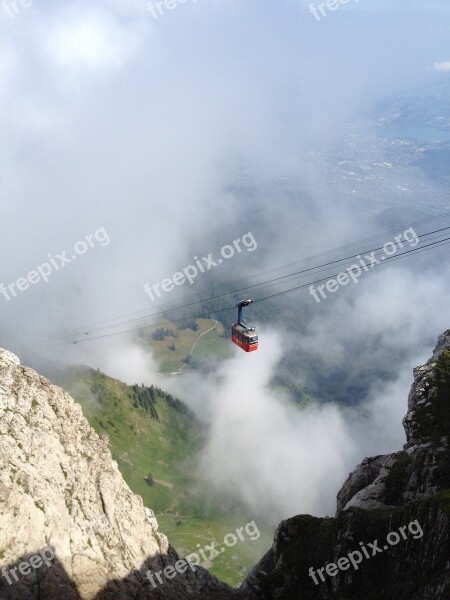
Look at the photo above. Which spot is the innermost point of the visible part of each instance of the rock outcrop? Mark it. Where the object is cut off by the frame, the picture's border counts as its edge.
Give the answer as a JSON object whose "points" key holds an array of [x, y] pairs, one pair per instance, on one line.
{"points": [[383, 495], [63, 497], [423, 467]]}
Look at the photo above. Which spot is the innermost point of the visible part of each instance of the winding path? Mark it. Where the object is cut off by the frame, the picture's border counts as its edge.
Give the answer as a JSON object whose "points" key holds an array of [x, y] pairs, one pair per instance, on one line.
{"points": [[192, 349], [201, 335]]}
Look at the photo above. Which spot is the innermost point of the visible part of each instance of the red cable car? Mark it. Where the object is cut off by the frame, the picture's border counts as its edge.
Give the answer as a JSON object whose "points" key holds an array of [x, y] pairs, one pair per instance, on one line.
{"points": [[241, 335]]}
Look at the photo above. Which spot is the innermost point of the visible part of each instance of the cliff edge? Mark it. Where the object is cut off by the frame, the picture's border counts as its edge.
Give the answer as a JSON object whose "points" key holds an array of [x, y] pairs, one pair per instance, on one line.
{"points": [[70, 528]]}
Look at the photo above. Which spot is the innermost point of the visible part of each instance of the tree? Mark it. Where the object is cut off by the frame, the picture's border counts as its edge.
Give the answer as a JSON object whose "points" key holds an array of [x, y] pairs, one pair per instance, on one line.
{"points": [[159, 334]]}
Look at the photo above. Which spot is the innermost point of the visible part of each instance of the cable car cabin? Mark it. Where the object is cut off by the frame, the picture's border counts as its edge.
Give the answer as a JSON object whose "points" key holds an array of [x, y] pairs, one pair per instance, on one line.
{"points": [[244, 337], [241, 335]]}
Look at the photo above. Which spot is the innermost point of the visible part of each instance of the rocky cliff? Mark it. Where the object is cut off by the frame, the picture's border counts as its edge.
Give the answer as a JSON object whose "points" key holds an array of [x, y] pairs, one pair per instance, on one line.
{"points": [[390, 538], [70, 528]]}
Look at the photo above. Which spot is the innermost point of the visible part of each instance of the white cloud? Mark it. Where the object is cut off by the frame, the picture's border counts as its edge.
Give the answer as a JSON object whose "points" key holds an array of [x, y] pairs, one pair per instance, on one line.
{"points": [[8, 64], [138, 368], [281, 459], [96, 40], [442, 66], [278, 459]]}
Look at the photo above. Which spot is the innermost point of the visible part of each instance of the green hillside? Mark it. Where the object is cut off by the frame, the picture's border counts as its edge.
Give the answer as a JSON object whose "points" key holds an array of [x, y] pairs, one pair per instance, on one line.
{"points": [[174, 346], [156, 442]]}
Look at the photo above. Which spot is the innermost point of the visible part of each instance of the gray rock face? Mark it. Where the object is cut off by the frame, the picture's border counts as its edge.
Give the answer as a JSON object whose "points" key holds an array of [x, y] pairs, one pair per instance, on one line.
{"points": [[364, 488], [422, 469], [60, 489], [424, 422], [383, 494]]}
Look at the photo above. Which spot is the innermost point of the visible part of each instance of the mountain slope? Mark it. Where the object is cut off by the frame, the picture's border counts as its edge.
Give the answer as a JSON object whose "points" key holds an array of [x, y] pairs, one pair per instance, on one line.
{"points": [[152, 433], [149, 432]]}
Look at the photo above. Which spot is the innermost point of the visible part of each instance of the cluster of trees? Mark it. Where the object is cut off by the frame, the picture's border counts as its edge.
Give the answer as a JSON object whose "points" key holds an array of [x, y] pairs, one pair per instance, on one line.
{"points": [[177, 405], [100, 394], [188, 324], [161, 333], [146, 398]]}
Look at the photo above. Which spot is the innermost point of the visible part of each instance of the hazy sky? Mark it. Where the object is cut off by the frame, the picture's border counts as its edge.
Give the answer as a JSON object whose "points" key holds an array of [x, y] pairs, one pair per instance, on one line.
{"points": [[112, 118], [114, 121]]}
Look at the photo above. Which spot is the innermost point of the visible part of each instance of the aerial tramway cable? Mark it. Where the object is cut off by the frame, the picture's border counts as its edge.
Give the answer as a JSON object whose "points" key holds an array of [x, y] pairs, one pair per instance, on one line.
{"points": [[427, 247]]}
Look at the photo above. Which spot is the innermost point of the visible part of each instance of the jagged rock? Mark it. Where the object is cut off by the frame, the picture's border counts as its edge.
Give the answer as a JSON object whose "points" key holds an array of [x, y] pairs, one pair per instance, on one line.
{"points": [[383, 494], [423, 468], [364, 477], [60, 488], [428, 418]]}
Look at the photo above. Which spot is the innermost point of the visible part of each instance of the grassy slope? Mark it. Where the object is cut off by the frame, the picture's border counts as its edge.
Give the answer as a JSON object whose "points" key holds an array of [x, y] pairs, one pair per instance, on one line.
{"points": [[170, 361], [139, 443], [168, 448]]}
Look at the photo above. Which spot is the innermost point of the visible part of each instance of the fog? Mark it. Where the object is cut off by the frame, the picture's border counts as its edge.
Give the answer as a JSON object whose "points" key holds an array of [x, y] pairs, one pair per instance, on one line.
{"points": [[277, 459], [171, 135]]}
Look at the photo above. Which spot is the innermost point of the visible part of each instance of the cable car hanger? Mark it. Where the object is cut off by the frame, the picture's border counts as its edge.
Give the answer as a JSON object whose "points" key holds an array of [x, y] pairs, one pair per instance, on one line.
{"points": [[241, 335]]}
